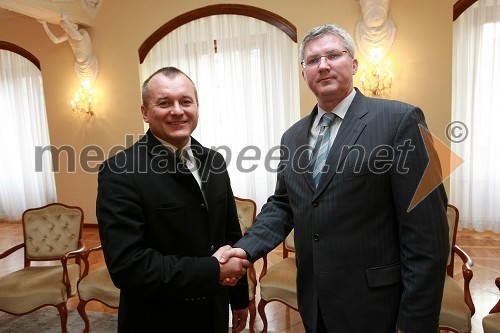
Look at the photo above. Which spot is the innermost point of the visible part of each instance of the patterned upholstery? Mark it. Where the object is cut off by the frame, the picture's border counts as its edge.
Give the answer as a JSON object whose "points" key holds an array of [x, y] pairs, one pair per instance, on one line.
{"points": [[52, 231], [278, 281], [52, 234]]}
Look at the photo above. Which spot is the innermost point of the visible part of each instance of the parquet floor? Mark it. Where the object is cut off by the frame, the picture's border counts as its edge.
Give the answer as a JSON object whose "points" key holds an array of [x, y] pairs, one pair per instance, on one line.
{"points": [[484, 248]]}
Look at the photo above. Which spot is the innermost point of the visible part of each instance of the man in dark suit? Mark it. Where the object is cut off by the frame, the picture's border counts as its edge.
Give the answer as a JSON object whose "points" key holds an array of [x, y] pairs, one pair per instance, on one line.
{"points": [[162, 217], [366, 260]]}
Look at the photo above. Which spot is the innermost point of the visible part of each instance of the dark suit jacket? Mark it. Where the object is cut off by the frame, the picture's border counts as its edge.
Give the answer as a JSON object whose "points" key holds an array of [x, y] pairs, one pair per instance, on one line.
{"points": [[361, 255], [158, 235]]}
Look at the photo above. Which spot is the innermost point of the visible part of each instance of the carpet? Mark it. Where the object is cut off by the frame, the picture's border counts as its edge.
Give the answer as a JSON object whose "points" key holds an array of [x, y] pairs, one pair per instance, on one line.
{"points": [[46, 320]]}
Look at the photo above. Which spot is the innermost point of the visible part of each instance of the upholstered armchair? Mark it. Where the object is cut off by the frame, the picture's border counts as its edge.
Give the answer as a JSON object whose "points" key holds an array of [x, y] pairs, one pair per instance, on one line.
{"points": [[278, 282], [52, 248], [95, 285], [491, 322], [457, 307], [246, 214]]}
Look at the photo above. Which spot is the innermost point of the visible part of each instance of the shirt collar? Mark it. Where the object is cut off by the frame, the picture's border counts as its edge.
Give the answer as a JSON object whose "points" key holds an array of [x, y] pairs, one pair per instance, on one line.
{"points": [[173, 148], [341, 109]]}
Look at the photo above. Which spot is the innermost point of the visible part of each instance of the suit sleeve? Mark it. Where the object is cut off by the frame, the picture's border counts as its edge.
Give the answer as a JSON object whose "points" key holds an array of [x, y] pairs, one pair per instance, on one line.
{"points": [[275, 220], [423, 229]]}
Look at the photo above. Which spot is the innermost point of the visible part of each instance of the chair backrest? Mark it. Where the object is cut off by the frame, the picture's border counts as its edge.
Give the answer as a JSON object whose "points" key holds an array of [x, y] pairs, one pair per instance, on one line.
{"points": [[453, 216], [247, 210], [51, 231]]}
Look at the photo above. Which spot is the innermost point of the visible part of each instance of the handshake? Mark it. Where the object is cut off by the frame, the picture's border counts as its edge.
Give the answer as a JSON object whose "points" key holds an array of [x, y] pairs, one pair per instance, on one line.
{"points": [[233, 264]]}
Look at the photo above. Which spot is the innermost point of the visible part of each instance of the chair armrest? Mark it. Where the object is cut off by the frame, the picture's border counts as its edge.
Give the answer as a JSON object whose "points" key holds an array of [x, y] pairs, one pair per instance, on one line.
{"points": [[252, 276], [464, 256], [467, 274], [85, 258], [77, 255], [263, 272], [11, 250]]}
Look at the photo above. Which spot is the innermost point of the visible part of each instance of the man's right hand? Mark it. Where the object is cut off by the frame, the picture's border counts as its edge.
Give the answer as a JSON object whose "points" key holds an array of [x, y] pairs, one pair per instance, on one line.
{"points": [[233, 267], [232, 252]]}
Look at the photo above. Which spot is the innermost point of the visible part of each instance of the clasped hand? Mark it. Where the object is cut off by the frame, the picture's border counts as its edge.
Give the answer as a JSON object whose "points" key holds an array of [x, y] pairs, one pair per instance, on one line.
{"points": [[233, 264]]}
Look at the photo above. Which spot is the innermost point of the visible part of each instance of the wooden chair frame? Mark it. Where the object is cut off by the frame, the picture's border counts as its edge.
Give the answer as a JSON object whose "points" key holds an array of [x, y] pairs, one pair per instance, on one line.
{"points": [[251, 274], [69, 255], [467, 264], [83, 303]]}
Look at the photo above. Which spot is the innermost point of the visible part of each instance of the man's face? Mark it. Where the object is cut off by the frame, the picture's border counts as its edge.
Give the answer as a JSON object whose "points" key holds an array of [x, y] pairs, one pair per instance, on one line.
{"points": [[329, 80], [172, 111]]}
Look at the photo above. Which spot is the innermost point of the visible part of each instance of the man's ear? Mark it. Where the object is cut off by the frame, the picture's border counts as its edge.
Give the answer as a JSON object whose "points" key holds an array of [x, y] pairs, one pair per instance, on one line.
{"points": [[145, 114]]}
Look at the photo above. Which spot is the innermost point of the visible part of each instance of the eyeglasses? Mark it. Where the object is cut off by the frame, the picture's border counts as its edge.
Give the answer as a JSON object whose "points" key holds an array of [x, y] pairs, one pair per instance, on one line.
{"points": [[331, 57]]}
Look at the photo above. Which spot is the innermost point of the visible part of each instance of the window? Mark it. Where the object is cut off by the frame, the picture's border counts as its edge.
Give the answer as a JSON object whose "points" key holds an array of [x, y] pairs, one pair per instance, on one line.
{"points": [[25, 182], [475, 185], [246, 72]]}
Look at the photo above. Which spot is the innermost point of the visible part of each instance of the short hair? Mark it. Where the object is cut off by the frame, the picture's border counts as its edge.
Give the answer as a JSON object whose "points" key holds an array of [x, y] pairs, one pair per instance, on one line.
{"points": [[170, 72], [325, 29]]}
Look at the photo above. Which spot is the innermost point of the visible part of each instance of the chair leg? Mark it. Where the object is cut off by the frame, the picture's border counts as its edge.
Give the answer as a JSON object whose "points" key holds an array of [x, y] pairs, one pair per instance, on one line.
{"points": [[262, 313], [251, 310], [63, 313], [83, 314]]}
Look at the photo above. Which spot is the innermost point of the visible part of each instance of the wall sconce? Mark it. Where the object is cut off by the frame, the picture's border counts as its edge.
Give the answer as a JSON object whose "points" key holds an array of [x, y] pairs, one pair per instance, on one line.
{"points": [[377, 79], [81, 104]]}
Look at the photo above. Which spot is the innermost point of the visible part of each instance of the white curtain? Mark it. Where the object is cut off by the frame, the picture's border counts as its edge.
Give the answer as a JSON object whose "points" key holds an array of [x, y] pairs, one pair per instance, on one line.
{"points": [[248, 91], [26, 181], [475, 185]]}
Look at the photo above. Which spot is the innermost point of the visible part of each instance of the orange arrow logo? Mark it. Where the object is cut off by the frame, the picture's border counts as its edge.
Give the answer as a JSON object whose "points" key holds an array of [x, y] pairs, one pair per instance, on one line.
{"points": [[435, 172]]}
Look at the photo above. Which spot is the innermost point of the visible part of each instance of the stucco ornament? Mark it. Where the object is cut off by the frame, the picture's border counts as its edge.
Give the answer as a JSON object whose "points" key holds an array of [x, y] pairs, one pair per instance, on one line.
{"points": [[86, 64], [91, 6], [376, 33]]}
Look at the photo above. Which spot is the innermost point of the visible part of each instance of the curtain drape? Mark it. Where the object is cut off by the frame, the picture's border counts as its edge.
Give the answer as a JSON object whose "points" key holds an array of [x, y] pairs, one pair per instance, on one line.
{"points": [[26, 180], [246, 73], [475, 185]]}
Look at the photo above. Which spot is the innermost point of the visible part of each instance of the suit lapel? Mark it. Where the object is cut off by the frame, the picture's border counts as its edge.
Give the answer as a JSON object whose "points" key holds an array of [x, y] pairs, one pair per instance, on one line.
{"points": [[351, 128], [303, 152], [162, 159], [200, 154]]}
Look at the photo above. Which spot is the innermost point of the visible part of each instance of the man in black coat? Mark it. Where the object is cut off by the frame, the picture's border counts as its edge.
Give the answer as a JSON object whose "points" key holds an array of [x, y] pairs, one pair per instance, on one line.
{"points": [[164, 206]]}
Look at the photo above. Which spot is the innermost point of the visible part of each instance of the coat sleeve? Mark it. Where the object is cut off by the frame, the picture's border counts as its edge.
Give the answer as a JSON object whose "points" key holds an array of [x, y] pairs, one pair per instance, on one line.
{"points": [[239, 293], [423, 229]]}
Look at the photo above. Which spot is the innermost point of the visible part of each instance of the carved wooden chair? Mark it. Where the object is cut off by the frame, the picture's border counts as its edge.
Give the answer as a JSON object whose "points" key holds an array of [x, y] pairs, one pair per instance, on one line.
{"points": [[279, 281], [491, 322], [95, 285], [457, 307], [52, 238], [246, 215]]}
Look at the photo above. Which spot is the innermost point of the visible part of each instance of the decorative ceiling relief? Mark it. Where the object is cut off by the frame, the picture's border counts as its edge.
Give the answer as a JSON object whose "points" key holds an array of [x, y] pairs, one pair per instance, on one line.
{"points": [[91, 6], [376, 32]]}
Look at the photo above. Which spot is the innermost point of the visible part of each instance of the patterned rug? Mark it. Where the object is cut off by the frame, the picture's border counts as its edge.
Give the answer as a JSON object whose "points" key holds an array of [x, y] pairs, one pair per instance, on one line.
{"points": [[46, 320]]}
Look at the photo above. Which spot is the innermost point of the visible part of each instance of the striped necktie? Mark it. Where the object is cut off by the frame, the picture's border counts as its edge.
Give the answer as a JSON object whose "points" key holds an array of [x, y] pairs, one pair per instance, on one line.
{"points": [[322, 146]]}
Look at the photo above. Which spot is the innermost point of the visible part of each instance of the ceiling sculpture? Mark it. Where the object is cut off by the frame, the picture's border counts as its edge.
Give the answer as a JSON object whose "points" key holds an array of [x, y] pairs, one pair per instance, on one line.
{"points": [[81, 12]]}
